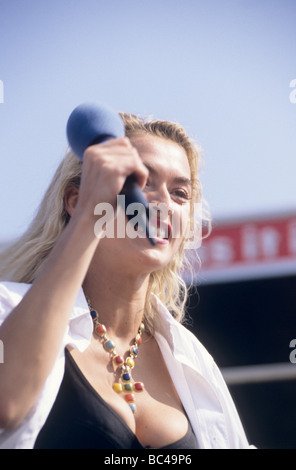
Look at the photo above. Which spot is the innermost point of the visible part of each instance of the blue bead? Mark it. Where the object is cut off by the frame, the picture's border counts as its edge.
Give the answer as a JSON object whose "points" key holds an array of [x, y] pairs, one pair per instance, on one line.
{"points": [[132, 407], [126, 376], [135, 351], [109, 345], [93, 314]]}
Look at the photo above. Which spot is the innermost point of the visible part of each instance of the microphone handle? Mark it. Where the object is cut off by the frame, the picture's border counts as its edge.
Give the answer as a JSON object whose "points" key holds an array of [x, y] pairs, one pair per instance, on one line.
{"points": [[133, 194]]}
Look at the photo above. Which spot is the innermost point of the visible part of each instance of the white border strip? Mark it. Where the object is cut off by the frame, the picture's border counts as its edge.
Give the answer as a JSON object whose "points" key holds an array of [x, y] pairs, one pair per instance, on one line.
{"points": [[259, 373]]}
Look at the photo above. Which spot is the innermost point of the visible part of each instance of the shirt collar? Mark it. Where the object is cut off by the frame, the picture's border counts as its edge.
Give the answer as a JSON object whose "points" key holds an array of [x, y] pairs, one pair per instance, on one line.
{"points": [[80, 306], [183, 344]]}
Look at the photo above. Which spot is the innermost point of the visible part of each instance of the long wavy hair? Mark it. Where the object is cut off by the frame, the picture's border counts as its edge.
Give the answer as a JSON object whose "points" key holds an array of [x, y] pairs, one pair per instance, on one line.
{"points": [[23, 259]]}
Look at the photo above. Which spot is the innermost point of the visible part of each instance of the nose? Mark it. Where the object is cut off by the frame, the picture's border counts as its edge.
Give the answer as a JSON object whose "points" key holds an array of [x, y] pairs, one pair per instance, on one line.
{"points": [[161, 201]]}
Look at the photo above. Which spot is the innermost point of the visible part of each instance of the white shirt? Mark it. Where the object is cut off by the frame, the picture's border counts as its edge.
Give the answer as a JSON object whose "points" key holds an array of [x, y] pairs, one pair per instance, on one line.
{"points": [[196, 377]]}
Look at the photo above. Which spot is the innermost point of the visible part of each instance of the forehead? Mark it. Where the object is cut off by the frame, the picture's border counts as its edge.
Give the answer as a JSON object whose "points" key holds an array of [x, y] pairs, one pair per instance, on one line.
{"points": [[162, 154]]}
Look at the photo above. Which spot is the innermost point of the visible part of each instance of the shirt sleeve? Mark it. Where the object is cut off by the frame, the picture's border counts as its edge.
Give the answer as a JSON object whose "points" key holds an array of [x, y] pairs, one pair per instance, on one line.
{"points": [[11, 293], [236, 431], [23, 437]]}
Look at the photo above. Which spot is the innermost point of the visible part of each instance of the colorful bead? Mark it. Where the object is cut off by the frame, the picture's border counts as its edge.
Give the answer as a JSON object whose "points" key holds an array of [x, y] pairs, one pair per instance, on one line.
{"points": [[109, 345], [94, 314], [134, 351], [130, 362], [118, 360], [117, 387], [126, 376], [138, 339], [100, 330], [130, 397], [128, 387], [138, 387], [132, 407]]}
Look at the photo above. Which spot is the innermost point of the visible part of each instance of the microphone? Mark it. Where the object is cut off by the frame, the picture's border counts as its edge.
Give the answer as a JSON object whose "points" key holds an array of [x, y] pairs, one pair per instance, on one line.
{"points": [[91, 124]]}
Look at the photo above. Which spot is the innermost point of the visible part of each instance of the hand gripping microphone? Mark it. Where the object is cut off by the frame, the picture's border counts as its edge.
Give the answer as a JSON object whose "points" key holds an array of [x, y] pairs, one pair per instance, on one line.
{"points": [[90, 124]]}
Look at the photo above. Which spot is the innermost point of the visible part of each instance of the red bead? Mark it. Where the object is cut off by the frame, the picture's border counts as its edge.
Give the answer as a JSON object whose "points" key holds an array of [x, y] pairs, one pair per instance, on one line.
{"points": [[138, 387], [118, 360], [138, 339], [101, 330], [129, 397]]}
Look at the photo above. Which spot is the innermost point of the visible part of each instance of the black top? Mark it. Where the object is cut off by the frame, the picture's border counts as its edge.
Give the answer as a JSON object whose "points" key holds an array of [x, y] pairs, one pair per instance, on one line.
{"points": [[81, 419]]}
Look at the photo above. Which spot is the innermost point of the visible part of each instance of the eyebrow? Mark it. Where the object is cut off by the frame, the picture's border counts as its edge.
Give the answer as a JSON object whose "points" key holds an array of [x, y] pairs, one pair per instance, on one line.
{"points": [[177, 179]]}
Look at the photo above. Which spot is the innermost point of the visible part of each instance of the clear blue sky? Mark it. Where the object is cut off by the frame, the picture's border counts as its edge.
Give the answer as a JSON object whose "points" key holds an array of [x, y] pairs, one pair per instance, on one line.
{"points": [[222, 68]]}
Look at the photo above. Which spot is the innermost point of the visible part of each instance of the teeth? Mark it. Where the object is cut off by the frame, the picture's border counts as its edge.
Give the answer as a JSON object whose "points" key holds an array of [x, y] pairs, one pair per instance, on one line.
{"points": [[159, 232], [152, 231], [162, 233]]}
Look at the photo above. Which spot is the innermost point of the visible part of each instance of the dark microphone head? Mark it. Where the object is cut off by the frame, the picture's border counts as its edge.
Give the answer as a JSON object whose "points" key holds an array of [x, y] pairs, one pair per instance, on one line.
{"points": [[91, 124]]}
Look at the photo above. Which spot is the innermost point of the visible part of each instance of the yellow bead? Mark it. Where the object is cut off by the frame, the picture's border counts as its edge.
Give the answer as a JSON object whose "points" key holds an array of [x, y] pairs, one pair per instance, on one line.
{"points": [[130, 362], [117, 387]]}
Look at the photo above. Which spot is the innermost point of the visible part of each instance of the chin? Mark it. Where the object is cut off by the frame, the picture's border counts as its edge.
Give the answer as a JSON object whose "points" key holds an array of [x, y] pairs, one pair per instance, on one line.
{"points": [[152, 258], [136, 255]]}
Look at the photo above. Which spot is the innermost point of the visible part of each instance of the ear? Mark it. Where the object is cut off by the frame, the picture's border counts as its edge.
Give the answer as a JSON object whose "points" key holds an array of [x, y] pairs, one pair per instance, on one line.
{"points": [[70, 199]]}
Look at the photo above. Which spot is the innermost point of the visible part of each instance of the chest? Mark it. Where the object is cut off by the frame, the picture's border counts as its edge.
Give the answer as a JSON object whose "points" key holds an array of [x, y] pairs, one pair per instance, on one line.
{"points": [[159, 418]]}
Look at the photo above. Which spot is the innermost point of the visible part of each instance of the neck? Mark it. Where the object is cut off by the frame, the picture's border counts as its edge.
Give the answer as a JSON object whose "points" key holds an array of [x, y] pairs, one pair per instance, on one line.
{"points": [[120, 302]]}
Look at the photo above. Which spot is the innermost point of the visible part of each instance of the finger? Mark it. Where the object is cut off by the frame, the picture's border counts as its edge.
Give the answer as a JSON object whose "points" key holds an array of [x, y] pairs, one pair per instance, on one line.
{"points": [[123, 142], [141, 173]]}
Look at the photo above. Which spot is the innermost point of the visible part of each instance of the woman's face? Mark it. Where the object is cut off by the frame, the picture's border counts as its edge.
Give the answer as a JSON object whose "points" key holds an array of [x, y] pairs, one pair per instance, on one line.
{"points": [[168, 192]]}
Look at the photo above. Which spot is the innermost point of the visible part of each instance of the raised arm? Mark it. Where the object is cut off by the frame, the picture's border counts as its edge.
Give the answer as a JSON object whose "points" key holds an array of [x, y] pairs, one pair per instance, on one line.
{"points": [[35, 328]]}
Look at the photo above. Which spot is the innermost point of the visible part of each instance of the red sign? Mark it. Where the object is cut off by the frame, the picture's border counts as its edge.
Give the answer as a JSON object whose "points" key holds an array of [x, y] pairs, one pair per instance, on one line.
{"points": [[248, 246]]}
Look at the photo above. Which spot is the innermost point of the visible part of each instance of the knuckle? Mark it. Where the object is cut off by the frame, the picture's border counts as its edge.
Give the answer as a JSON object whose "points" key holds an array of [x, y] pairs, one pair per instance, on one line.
{"points": [[95, 155], [90, 153], [124, 142]]}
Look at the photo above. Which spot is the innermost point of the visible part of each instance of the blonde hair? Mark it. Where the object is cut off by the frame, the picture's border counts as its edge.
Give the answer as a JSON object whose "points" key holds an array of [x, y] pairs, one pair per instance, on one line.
{"points": [[22, 261]]}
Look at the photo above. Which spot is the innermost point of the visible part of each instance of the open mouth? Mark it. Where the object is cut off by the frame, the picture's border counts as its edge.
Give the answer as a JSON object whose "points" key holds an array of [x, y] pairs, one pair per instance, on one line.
{"points": [[158, 229]]}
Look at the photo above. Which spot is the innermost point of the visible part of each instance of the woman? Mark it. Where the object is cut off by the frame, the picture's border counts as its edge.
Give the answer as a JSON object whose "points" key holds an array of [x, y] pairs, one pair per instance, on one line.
{"points": [[75, 379]]}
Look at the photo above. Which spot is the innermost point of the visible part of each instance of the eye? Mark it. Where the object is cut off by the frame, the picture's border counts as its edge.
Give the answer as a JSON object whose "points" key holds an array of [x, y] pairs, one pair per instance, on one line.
{"points": [[181, 194]]}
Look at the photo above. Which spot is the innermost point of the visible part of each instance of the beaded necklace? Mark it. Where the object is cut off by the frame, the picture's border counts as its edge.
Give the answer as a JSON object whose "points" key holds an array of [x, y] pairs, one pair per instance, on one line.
{"points": [[126, 384]]}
